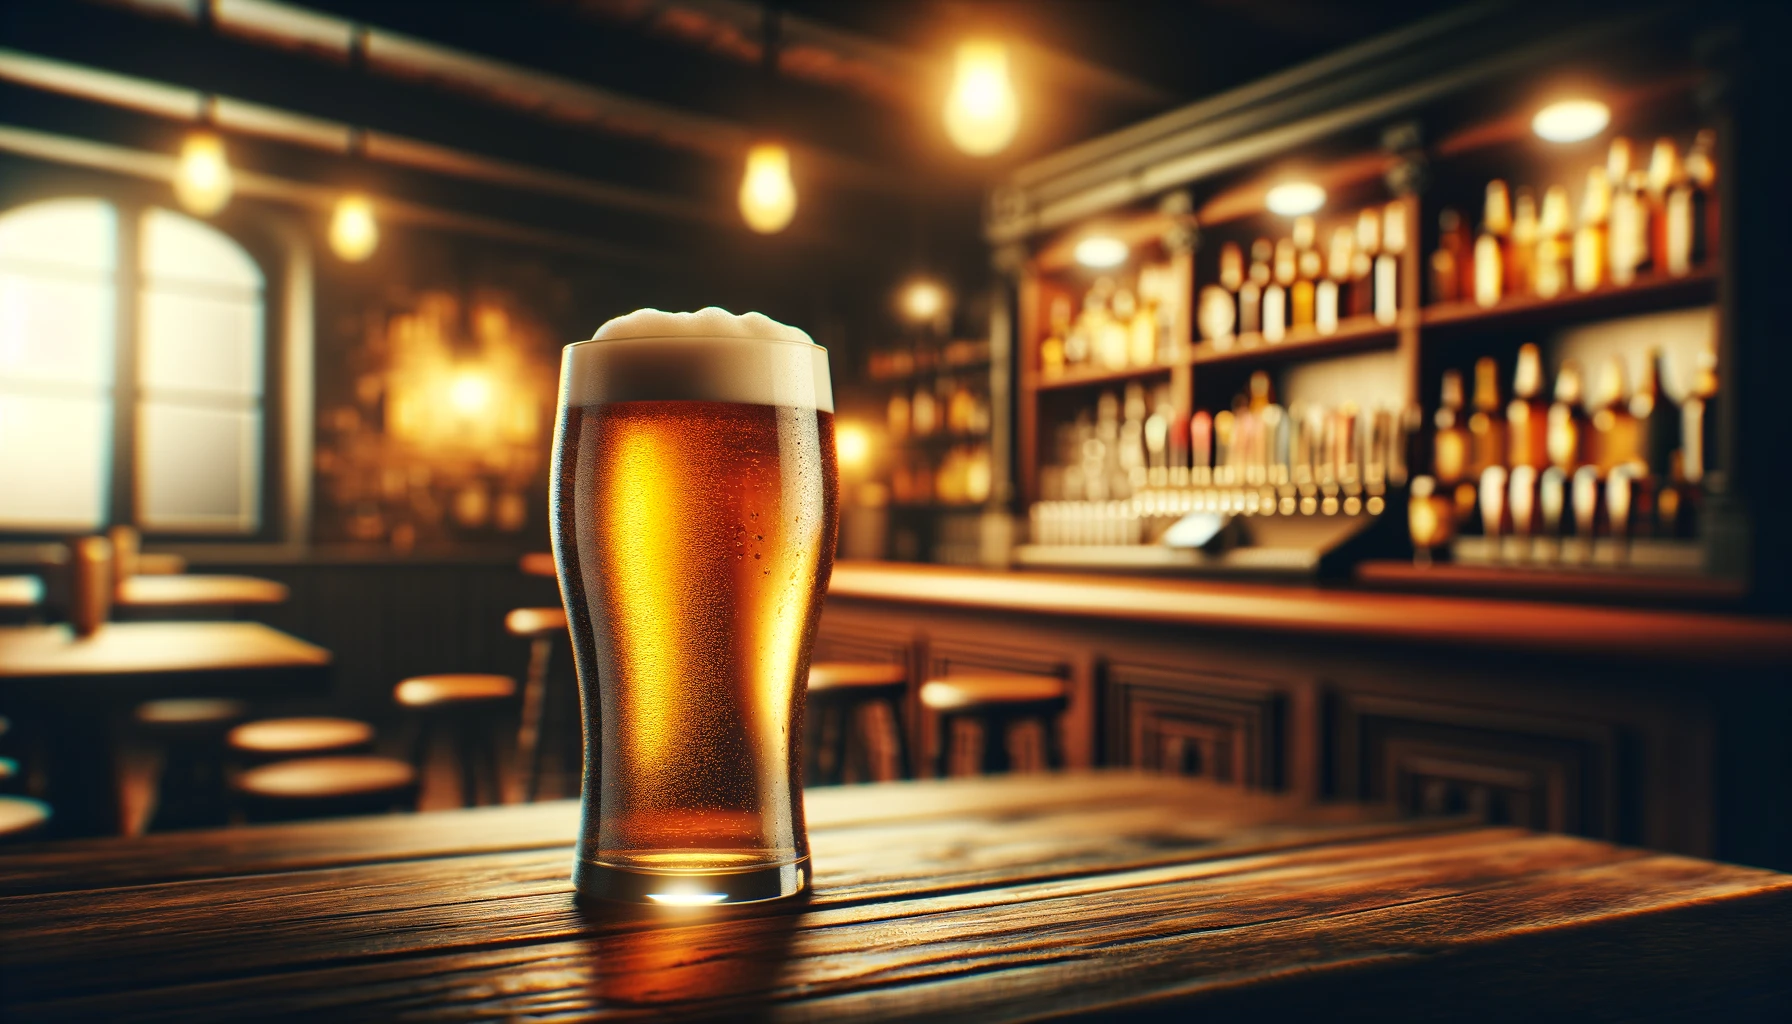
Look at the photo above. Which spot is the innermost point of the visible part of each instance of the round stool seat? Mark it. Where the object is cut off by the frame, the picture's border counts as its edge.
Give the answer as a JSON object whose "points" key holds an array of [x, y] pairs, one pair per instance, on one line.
{"points": [[326, 778], [971, 692], [197, 711], [21, 815], [285, 736], [435, 691], [852, 675], [534, 622]]}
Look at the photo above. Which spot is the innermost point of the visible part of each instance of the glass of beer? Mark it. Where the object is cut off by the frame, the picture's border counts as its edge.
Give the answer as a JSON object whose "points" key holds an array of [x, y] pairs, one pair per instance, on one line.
{"points": [[694, 515]]}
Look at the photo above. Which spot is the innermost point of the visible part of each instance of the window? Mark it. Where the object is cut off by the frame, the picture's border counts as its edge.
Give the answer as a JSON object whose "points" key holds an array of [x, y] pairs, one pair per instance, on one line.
{"points": [[186, 386]]}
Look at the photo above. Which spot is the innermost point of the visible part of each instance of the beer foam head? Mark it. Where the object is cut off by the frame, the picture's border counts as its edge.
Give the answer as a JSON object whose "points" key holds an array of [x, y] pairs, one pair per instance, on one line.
{"points": [[711, 355]]}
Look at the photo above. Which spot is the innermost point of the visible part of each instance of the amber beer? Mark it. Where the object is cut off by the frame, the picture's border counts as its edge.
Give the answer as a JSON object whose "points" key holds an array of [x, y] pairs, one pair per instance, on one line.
{"points": [[694, 511]]}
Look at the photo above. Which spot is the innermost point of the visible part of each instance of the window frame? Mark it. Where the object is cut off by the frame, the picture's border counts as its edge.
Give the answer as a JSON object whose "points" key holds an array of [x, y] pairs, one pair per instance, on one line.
{"points": [[130, 205]]}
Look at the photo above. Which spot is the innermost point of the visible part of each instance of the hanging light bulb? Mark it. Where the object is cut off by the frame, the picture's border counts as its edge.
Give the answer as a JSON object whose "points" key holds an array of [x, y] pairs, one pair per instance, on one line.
{"points": [[354, 234], [1571, 120], [981, 113], [767, 195], [923, 300], [202, 180]]}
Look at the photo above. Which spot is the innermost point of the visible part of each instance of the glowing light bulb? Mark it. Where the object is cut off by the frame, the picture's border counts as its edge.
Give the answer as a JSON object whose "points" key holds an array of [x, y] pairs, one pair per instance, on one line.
{"points": [[1571, 120], [852, 446], [1294, 198], [1100, 252], [202, 179], [923, 300], [767, 195], [981, 111], [354, 234], [470, 393]]}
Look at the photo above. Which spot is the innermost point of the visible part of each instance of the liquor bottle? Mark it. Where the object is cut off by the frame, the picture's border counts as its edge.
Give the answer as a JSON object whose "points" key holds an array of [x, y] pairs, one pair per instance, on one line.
{"points": [[1664, 174], [1521, 256], [1362, 264], [1629, 229], [1450, 447], [1275, 297], [1110, 334], [1590, 238], [1387, 262], [1527, 414], [1308, 268], [1701, 177], [1225, 424], [1617, 159], [1614, 428], [1674, 503], [1698, 421], [1451, 256], [1486, 426], [1250, 294], [1052, 349], [1328, 302], [1079, 345], [1658, 421], [1492, 245], [1567, 430], [1555, 244]]}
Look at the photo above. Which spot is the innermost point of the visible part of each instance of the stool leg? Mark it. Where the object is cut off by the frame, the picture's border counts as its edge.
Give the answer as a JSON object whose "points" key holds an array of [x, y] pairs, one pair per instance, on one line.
{"points": [[995, 744], [528, 733], [1054, 741], [904, 769], [467, 751], [843, 714], [942, 757]]}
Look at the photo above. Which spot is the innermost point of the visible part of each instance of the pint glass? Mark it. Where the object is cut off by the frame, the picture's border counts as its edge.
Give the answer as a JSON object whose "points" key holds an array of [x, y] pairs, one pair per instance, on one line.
{"points": [[694, 515]]}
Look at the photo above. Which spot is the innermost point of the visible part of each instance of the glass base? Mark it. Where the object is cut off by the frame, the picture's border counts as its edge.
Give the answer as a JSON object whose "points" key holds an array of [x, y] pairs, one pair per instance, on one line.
{"points": [[688, 888]]}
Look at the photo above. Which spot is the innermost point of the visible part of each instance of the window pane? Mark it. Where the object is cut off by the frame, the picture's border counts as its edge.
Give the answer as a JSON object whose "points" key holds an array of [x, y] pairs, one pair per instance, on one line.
{"points": [[194, 342], [54, 458], [197, 468], [64, 234], [177, 248], [55, 330]]}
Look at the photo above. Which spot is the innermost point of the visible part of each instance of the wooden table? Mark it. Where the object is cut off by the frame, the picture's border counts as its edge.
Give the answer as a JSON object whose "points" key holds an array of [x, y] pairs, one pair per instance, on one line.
{"points": [[974, 900], [200, 591], [70, 689]]}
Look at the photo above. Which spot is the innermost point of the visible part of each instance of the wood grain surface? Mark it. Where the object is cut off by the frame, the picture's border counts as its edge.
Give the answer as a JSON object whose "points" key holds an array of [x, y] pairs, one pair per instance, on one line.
{"points": [[151, 648], [1018, 898], [1629, 634]]}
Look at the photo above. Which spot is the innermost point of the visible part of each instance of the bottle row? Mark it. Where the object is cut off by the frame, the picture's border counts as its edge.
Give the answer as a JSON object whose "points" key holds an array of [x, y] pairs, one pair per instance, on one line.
{"points": [[1118, 323], [1631, 222], [956, 405], [904, 361], [960, 476], [1291, 285]]}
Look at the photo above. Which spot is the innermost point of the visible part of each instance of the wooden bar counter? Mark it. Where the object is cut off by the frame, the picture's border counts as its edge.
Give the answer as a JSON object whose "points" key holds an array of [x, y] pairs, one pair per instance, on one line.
{"points": [[1647, 726], [1016, 898]]}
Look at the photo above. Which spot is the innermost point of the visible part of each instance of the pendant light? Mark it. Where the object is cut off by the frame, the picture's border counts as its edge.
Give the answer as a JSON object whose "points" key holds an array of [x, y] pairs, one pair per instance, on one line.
{"points": [[981, 112], [202, 178], [354, 231], [767, 193]]}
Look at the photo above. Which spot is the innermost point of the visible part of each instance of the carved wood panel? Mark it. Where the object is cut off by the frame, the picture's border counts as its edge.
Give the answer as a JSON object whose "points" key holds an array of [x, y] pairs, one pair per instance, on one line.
{"points": [[1185, 722], [1553, 774]]}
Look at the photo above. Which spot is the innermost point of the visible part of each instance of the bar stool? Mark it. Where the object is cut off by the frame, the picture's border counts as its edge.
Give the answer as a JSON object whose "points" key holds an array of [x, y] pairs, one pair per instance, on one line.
{"points": [[464, 702], [837, 692], [190, 732], [995, 701], [541, 627], [20, 816], [325, 787], [272, 738]]}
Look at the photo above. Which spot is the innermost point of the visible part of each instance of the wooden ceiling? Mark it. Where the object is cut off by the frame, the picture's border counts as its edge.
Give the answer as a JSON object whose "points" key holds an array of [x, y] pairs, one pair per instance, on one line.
{"points": [[625, 120]]}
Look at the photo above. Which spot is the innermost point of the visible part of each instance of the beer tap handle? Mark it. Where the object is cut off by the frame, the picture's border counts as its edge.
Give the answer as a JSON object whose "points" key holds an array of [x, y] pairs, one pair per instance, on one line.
{"points": [[1618, 488], [1585, 498], [1552, 500], [1200, 442], [1521, 499]]}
